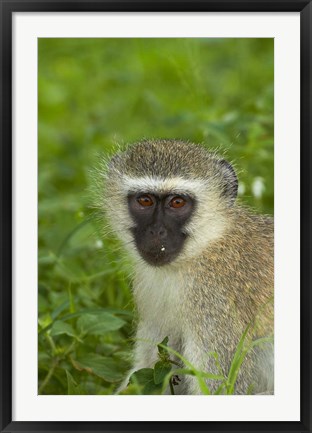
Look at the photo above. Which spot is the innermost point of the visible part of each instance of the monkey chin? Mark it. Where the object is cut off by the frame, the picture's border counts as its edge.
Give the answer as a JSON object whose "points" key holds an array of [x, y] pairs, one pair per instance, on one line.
{"points": [[157, 258]]}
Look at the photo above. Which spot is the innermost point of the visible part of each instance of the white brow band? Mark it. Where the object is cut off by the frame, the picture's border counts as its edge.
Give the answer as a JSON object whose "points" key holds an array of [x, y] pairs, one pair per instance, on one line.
{"points": [[159, 185]]}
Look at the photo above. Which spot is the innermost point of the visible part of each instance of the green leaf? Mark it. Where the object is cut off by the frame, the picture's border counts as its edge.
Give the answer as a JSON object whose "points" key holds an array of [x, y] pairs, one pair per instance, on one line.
{"points": [[127, 314], [55, 313], [215, 356], [220, 389], [104, 367], [43, 304], [261, 341], [211, 375], [99, 324], [162, 351], [145, 379], [237, 361], [72, 387], [59, 327], [194, 372], [161, 369]]}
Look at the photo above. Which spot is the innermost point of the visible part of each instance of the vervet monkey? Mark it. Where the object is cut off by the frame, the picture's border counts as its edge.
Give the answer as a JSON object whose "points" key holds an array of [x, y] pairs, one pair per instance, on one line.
{"points": [[203, 264]]}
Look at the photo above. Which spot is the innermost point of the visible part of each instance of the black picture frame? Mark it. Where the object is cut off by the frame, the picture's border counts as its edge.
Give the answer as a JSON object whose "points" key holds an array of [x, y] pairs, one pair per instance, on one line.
{"points": [[7, 9]]}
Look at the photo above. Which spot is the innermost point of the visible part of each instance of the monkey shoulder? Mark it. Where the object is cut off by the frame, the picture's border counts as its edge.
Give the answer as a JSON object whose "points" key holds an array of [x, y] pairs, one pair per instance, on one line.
{"points": [[235, 275], [244, 253]]}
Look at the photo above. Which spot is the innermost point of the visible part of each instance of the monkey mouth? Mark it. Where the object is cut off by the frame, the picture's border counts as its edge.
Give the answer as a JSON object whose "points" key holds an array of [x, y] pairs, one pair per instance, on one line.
{"points": [[157, 251], [157, 257]]}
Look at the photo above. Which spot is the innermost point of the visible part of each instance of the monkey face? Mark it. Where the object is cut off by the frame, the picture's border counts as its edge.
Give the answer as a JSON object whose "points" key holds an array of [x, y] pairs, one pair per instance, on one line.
{"points": [[159, 221]]}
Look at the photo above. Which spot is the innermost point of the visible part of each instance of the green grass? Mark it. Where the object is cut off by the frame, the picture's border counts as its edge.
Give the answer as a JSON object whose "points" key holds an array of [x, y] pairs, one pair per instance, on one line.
{"points": [[94, 93]]}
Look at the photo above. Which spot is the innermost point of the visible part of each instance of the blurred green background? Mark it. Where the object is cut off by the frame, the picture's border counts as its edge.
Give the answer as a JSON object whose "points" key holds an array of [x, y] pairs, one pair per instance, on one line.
{"points": [[94, 93]]}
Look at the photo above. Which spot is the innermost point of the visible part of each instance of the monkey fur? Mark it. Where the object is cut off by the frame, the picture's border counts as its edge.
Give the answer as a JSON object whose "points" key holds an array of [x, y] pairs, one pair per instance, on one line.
{"points": [[203, 286]]}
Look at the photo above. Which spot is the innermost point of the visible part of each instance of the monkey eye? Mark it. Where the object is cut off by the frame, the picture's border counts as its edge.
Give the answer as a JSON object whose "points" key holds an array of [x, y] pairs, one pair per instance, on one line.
{"points": [[177, 202], [145, 200]]}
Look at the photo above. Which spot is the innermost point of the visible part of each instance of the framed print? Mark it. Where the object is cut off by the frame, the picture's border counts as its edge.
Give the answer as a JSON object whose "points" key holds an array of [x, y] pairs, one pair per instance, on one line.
{"points": [[155, 220]]}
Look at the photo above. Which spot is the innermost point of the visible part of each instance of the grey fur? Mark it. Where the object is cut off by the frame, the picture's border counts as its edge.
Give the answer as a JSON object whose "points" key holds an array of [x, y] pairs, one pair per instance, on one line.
{"points": [[223, 279]]}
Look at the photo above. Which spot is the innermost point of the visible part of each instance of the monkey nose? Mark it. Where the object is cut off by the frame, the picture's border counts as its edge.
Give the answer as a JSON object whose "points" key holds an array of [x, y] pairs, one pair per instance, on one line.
{"points": [[158, 231]]}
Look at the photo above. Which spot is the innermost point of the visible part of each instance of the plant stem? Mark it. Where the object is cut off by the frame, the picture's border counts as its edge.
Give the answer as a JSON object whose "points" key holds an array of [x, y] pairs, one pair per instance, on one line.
{"points": [[48, 376], [175, 363], [171, 386], [51, 343]]}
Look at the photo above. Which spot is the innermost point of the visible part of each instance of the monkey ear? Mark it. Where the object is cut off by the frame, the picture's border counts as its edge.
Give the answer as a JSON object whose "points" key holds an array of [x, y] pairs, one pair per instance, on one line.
{"points": [[230, 181]]}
